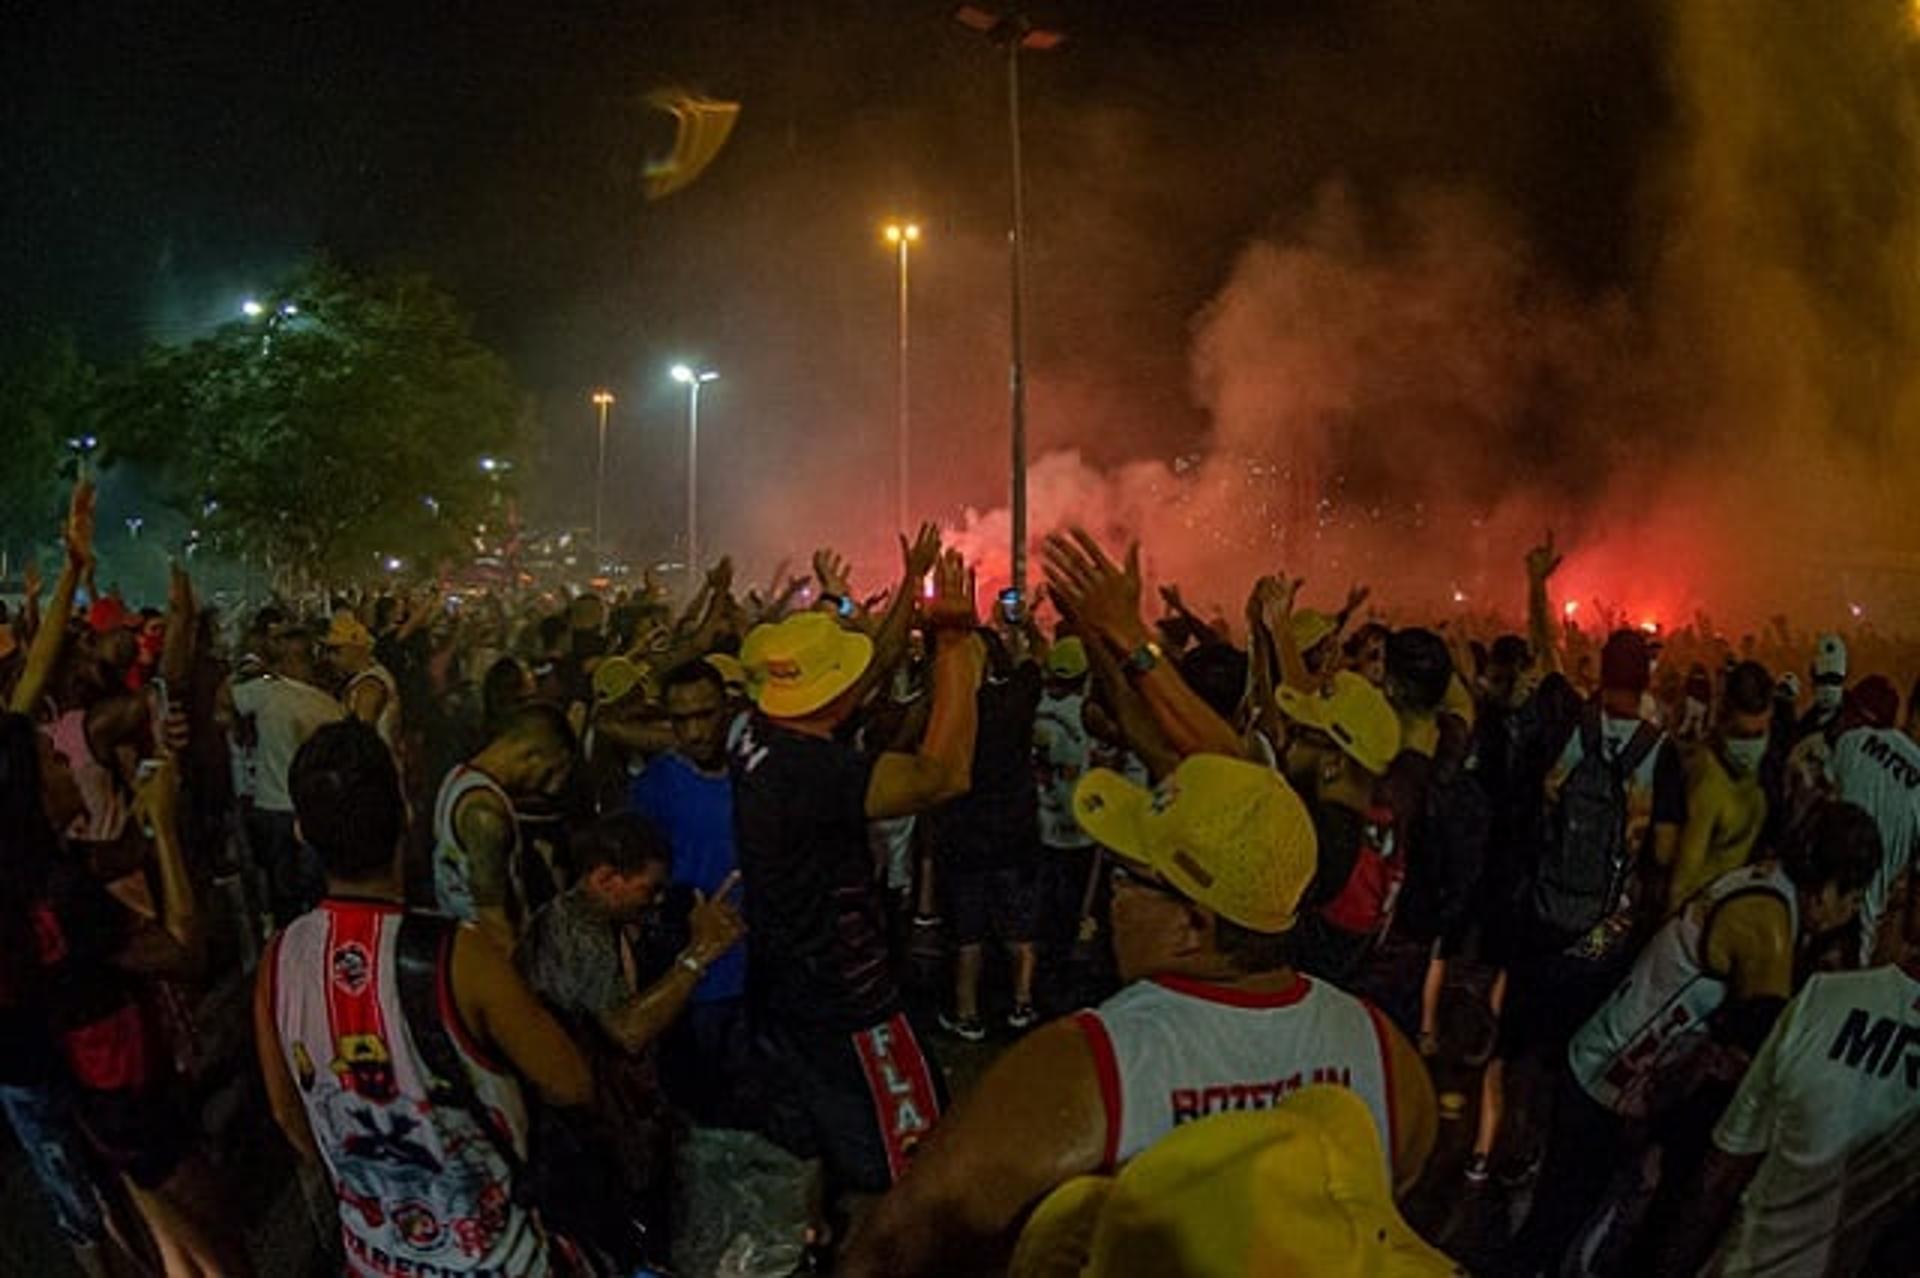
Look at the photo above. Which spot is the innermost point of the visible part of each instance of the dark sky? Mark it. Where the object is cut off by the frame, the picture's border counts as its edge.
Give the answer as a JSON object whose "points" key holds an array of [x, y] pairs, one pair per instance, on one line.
{"points": [[162, 160]]}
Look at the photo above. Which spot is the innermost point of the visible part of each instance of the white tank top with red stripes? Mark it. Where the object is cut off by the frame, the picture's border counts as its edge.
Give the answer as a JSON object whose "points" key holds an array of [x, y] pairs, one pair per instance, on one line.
{"points": [[1172, 1050], [452, 864], [422, 1189]]}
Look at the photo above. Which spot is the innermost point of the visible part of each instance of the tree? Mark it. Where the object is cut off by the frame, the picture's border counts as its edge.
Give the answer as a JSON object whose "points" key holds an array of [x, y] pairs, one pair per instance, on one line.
{"points": [[341, 425], [47, 396]]}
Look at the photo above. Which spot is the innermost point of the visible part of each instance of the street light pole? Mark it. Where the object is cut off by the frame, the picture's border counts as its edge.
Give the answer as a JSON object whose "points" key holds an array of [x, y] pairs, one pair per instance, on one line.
{"points": [[693, 380], [602, 400], [1016, 31], [903, 236]]}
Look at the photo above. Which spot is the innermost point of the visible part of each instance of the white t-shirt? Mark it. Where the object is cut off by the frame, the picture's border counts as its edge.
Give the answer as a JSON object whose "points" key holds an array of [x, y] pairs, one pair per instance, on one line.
{"points": [[1879, 769], [1061, 748], [285, 712], [1833, 1101]]}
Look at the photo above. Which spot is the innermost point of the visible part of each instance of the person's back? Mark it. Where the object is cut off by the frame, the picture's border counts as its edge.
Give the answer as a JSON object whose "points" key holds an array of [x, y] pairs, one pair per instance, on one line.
{"points": [[419, 1183], [384, 1037], [1179, 1050], [1879, 769], [1832, 1103]]}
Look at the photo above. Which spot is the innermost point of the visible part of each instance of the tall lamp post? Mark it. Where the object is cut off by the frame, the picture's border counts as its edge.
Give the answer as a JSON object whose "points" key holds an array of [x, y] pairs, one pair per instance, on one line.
{"points": [[903, 235], [1014, 31], [693, 379], [602, 400]]}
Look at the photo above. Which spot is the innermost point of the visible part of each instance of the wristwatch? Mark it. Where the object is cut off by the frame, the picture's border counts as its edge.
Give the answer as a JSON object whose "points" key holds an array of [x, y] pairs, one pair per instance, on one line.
{"points": [[692, 964], [1144, 658]]}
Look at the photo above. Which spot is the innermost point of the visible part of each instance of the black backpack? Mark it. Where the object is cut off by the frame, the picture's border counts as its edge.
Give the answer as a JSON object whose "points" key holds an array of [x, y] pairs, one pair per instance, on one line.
{"points": [[570, 1176], [1585, 862], [1447, 847]]}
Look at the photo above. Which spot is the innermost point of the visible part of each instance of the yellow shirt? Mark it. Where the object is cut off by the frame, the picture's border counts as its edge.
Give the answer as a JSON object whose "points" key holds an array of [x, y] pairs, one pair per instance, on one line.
{"points": [[1724, 818]]}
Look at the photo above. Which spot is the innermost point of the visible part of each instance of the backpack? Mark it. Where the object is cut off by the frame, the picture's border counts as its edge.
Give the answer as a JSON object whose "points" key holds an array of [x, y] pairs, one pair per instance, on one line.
{"points": [[568, 1177], [1447, 848], [1585, 862]]}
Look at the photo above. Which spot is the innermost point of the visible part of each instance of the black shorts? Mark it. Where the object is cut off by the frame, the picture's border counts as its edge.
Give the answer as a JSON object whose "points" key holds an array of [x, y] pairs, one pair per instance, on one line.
{"points": [[984, 904], [861, 1101], [142, 1134]]}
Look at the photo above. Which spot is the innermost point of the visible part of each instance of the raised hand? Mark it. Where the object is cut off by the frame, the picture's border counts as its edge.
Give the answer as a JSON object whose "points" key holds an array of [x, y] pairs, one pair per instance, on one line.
{"points": [[1357, 594], [952, 606], [80, 523], [1543, 560], [832, 571], [919, 558], [30, 582], [1170, 596], [715, 922], [720, 577], [1104, 597], [1275, 596]]}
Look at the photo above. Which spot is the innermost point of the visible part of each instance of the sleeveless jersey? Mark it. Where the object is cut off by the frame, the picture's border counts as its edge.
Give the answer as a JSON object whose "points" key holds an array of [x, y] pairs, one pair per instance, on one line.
{"points": [[422, 1190], [1061, 749], [452, 870], [1172, 1050], [388, 722], [1658, 1015]]}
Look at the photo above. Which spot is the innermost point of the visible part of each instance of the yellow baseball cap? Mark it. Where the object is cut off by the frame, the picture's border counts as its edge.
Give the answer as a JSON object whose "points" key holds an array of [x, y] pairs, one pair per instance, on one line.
{"points": [[346, 631], [1297, 1189], [1225, 833], [1067, 659], [799, 664], [1354, 713], [616, 678], [1311, 628], [731, 672]]}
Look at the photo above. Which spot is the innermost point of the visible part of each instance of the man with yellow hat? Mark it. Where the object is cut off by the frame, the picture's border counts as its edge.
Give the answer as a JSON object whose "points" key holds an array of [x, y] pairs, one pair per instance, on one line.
{"points": [[370, 692], [850, 1079], [1341, 739], [1209, 871]]}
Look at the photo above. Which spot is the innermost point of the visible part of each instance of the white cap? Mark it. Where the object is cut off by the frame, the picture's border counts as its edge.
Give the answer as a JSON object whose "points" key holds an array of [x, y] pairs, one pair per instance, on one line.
{"points": [[1830, 657]]}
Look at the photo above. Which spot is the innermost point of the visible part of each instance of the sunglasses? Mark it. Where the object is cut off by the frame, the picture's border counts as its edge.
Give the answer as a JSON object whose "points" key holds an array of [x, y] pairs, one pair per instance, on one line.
{"points": [[1120, 874]]}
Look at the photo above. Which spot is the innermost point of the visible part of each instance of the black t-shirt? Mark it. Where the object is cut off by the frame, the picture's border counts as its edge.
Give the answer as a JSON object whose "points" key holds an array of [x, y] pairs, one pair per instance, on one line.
{"points": [[996, 824], [817, 939], [91, 1007], [1321, 947]]}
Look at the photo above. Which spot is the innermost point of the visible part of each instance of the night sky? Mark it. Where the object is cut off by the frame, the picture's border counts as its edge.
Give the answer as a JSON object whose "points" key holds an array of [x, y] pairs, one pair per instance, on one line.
{"points": [[165, 160]]}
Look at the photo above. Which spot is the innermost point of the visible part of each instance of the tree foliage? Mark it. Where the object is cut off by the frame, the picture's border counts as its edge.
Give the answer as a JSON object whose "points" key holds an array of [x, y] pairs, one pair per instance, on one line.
{"points": [[47, 396], [343, 424]]}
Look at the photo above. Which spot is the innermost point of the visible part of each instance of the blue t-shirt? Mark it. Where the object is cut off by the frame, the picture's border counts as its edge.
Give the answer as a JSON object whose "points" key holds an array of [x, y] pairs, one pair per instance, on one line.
{"points": [[695, 812]]}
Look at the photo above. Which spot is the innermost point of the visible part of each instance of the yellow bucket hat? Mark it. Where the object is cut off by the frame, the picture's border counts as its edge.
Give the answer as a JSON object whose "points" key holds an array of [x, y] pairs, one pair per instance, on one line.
{"points": [[1311, 628], [799, 664], [1225, 833], [1354, 713], [1300, 1189], [1067, 659], [617, 677]]}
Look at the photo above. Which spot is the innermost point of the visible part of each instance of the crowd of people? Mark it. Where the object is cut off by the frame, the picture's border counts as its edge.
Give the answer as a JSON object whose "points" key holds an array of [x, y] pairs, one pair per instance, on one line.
{"points": [[535, 886]]}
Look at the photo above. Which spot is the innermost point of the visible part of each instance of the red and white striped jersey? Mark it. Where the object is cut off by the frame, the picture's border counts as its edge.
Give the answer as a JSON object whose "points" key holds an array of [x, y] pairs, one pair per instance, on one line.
{"points": [[422, 1189], [1172, 1050]]}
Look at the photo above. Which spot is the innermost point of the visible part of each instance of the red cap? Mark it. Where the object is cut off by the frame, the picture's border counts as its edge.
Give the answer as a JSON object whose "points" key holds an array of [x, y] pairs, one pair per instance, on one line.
{"points": [[109, 614]]}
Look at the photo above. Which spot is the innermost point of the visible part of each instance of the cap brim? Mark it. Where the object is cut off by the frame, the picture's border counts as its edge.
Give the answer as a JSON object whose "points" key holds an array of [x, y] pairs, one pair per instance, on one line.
{"points": [[852, 654], [1307, 709], [1114, 812]]}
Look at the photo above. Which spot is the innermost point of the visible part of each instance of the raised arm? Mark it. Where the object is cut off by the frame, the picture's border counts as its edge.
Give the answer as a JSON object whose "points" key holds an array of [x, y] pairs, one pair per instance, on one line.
{"points": [[890, 640], [1106, 598], [47, 641], [942, 768], [645, 1017], [174, 946], [1542, 561]]}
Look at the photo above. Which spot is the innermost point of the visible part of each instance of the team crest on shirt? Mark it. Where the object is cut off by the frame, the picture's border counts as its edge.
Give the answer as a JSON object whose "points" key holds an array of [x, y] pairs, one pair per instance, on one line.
{"points": [[352, 967], [417, 1225]]}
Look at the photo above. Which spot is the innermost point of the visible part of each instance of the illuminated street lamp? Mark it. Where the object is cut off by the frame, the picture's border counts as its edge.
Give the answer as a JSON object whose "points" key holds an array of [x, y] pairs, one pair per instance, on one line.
{"points": [[1015, 32], [902, 235], [252, 309], [693, 379], [83, 447], [603, 401]]}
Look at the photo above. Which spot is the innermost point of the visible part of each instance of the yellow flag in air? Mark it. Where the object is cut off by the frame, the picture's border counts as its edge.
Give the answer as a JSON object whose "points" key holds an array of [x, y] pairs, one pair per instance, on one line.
{"points": [[703, 126]]}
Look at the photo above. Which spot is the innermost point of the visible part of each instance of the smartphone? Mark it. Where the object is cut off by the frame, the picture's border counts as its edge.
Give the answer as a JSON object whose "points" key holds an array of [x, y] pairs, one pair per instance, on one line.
{"points": [[1010, 606], [846, 607]]}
